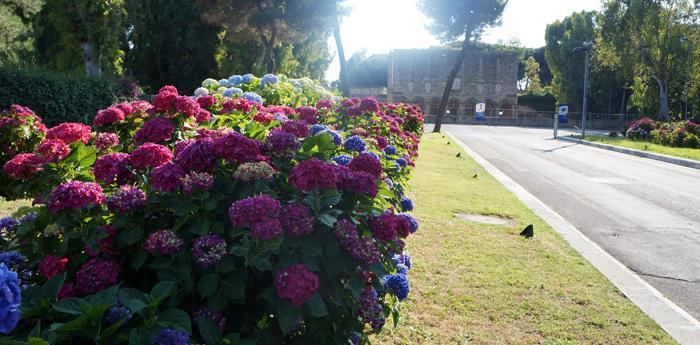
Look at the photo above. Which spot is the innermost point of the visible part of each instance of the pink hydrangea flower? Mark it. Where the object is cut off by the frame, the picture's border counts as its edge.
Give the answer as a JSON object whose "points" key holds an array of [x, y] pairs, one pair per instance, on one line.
{"points": [[23, 166], [296, 283], [106, 140], [52, 150], [197, 156], [109, 116], [150, 155], [236, 148], [51, 265], [297, 220], [155, 131], [164, 242], [384, 227], [313, 174], [368, 163], [96, 275], [75, 195], [113, 168], [70, 132], [253, 209], [167, 177], [126, 199]]}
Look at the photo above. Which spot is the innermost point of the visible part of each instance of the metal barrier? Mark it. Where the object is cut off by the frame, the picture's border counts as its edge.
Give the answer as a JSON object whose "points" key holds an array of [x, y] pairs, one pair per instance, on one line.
{"points": [[542, 119]]}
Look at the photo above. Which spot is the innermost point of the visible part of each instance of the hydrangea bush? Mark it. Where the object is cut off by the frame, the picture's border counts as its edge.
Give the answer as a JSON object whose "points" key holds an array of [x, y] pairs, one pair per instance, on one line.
{"points": [[270, 88], [212, 219]]}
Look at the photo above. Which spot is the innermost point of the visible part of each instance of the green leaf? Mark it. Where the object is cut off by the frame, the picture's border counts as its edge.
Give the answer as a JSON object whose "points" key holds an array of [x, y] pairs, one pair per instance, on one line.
{"points": [[233, 287], [317, 306], [106, 296], [327, 219], [227, 264], [37, 341], [139, 336], [133, 299], [72, 306], [217, 302], [289, 317], [210, 332], [163, 289], [130, 236], [175, 318], [200, 227], [208, 284], [52, 286], [138, 259]]}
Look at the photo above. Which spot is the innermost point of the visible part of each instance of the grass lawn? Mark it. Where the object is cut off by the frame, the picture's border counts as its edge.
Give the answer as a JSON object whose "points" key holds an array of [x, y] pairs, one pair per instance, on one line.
{"points": [[646, 146], [484, 284]]}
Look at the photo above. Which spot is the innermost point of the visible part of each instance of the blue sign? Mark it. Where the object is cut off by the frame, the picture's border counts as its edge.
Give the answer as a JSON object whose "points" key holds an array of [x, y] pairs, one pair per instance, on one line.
{"points": [[480, 112], [563, 113]]}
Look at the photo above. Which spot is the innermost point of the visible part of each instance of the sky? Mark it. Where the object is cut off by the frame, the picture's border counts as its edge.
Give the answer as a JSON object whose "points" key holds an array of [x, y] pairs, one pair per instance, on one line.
{"points": [[378, 26]]}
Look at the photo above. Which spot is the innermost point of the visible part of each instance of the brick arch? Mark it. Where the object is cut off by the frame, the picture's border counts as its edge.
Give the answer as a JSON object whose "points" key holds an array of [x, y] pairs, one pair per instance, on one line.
{"points": [[469, 106], [434, 106], [491, 107], [507, 108]]}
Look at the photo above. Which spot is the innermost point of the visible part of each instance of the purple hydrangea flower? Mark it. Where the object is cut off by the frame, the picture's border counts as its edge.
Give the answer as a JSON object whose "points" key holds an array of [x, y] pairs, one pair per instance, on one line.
{"points": [[208, 250], [169, 336]]}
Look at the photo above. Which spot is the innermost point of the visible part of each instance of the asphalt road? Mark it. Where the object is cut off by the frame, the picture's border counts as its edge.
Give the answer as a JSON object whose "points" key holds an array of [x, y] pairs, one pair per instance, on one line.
{"points": [[643, 212]]}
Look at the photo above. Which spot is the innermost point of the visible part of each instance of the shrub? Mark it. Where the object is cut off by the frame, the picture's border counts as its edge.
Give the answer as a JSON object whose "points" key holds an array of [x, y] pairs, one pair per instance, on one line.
{"points": [[691, 141], [545, 102], [56, 98], [640, 129], [238, 226]]}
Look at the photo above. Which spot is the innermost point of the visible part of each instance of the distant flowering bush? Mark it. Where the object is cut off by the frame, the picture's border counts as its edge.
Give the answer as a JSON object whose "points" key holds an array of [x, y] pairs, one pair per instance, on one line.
{"points": [[675, 134], [256, 212]]}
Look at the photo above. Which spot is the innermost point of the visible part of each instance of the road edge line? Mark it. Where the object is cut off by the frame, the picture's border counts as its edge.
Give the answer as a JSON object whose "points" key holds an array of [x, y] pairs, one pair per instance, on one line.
{"points": [[688, 163], [680, 325]]}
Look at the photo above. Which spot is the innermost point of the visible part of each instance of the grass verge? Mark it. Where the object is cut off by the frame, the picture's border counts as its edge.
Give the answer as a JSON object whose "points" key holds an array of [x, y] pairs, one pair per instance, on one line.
{"points": [[680, 152], [484, 284]]}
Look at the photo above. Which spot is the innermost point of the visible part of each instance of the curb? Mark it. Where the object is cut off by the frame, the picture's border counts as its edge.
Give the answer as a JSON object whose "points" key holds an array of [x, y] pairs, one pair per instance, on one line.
{"points": [[680, 325], [644, 154]]}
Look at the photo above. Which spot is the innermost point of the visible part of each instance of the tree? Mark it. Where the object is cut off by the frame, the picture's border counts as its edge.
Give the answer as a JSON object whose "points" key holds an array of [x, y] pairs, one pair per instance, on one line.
{"points": [[343, 78], [644, 39], [82, 32], [168, 42], [453, 20], [532, 75], [368, 71], [16, 31], [273, 22]]}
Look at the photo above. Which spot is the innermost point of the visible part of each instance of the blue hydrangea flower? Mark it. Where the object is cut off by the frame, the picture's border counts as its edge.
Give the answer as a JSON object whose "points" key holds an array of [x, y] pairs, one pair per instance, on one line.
{"points": [[376, 156], [342, 159], [406, 204], [337, 138], [401, 269], [281, 117], [398, 285], [232, 92], [411, 220], [390, 150], [402, 162], [253, 97], [201, 91], [315, 129], [224, 82], [235, 80], [297, 84], [402, 259], [247, 77], [355, 143], [389, 183], [169, 336], [397, 166], [118, 312], [28, 218], [12, 259], [10, 300], [269, 79], [8, 224]]}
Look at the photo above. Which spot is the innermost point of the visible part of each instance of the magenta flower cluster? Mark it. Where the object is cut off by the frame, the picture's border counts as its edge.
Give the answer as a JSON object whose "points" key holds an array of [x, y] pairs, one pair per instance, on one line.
{"points": [[296, 283], [164, 242], [126, 199], [207, 250], [75, 195], [259, 213]]}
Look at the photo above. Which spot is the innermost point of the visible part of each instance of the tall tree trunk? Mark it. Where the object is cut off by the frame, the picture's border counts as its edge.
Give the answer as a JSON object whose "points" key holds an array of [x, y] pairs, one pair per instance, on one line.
{"points": [[450, 80], [270, 51], [663, 99], [344, 78], [91, 58]]}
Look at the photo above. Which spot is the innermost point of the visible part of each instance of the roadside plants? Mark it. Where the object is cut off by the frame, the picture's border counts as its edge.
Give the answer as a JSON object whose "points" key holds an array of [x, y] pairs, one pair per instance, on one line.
{"points": [[213, 219]]}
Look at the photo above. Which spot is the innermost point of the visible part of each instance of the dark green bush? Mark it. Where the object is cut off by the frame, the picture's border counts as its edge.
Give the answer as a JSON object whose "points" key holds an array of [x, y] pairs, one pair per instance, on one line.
{"points": [[55, 97], [545, 102]]}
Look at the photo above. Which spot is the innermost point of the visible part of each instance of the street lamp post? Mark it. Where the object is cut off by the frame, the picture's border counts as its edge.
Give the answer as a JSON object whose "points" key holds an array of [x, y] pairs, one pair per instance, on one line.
{"points": [[586, 48]]}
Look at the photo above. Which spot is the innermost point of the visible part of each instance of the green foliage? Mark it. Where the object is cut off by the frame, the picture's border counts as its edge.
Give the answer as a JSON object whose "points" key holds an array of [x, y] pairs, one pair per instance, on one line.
{"points": [[55, 97], [82, 35], [16, 32], [453, 18], [647, 41], [170, 44], [539, 102], [368, 71]]}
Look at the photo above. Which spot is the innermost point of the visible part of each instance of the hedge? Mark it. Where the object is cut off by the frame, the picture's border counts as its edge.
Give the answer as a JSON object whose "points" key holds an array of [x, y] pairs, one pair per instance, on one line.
{"points": [[55, 97], [545, 102]]}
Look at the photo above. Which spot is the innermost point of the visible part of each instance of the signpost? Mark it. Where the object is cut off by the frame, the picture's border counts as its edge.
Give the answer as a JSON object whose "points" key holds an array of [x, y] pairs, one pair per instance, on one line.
{"points": [[480, 112], [560, 117]]}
